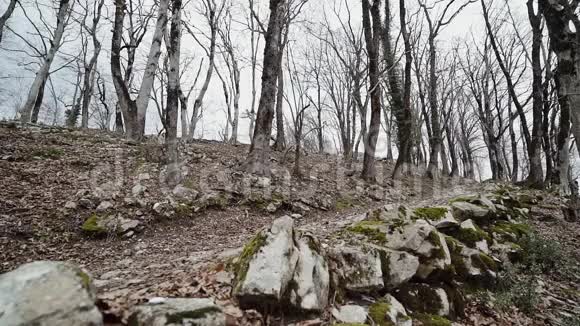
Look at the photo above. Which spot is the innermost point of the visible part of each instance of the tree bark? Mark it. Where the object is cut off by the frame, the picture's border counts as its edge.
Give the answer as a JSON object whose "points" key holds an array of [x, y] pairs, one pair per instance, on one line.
{"points": [[373, 33], [171, 111], [259, 156], [401, 99]]}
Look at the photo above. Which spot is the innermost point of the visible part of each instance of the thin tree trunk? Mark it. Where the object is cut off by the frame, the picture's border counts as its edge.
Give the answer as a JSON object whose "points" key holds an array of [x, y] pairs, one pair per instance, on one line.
{"points": [[280, 142], [259, 155], [373, 35], [171, 111], [4, 18], [42, 74]]}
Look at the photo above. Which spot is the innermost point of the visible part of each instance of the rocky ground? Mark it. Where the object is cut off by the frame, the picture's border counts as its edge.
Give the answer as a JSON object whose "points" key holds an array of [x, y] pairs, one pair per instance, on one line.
{"points": [[98, 201]]}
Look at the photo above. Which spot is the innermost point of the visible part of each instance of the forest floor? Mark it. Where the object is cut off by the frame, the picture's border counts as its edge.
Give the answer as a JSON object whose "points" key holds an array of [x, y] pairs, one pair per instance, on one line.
{"points": [[52, 180]]}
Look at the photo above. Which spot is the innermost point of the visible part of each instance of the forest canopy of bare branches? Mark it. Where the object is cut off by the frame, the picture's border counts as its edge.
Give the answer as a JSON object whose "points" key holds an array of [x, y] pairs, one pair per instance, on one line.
{"points": [[461, 88]]}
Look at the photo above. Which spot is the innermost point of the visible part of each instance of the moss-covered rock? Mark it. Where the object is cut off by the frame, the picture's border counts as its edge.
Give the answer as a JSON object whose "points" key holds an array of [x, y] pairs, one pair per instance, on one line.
{"points": [[94, 226], [374, 231], [430, 213], [242, 263], [510, 231], [424, 298]]}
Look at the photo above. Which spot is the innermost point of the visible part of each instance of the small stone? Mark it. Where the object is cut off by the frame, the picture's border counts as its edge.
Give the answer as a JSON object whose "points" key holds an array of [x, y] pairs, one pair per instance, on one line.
{"points": [[178, 311], [138, 190], [85, 203], [70, 205], [350, 314], [144, 176], [296, 216], [184, 193], [105, 205]]}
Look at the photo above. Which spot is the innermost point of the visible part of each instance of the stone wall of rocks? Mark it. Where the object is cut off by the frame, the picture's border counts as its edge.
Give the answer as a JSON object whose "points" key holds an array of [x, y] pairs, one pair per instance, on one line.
{"points": [[410, 262]]}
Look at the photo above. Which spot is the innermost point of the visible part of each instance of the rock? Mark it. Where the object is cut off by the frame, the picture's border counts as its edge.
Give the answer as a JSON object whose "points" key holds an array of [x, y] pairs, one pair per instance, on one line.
{"points": [[143, 176], [311, 280], [48, 293], [389, 311], [182, 192], [178, 311], [104, 206], [350, 314], [399, 267], [296, 216], [112, 224], [213, 199], [272, 207], [424, 298], [138, 190], [86, 203], [266, 265], [471, 235], [70, 205], [111, 274], [106, 191], [464, 210], [423, 240], [359, 269], [300, 208]]}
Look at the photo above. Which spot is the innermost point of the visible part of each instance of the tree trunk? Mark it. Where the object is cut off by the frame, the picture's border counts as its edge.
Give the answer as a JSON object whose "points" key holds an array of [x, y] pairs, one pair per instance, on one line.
{"points": [[536, 175], [4, 18], [373, 35], [134, 111], [259, 156], [280, 142], [401, 102], [38, 102], [171, 111], [42, 74], [566, 45]]}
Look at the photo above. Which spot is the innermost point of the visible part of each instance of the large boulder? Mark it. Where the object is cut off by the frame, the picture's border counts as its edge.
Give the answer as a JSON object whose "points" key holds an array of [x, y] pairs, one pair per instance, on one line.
{"points": [[463, 210], [359, 269], [310, 284], [266, 265], [48, 293], [178, 311], [398, 267]]}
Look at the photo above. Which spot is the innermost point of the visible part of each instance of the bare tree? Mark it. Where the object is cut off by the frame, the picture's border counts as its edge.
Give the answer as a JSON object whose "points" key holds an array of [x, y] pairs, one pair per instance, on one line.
{"points": [[212, 12], [171, 113], [37, 87], [435, 25], [373, 34], [258, 157], [134, 111], [6, 15], [90, 66]]}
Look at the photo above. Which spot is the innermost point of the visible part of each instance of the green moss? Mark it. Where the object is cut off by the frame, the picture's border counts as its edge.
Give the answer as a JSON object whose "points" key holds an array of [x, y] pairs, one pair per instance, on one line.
{"points": [[85, 279], [49, 153], [518, 229], [471, 236], [350, 324], [178, 317], [243, 262], [435, 239], [430, 213], [91, 225], [483, 262], [378, 313], [370, 230], [432, 320]]}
